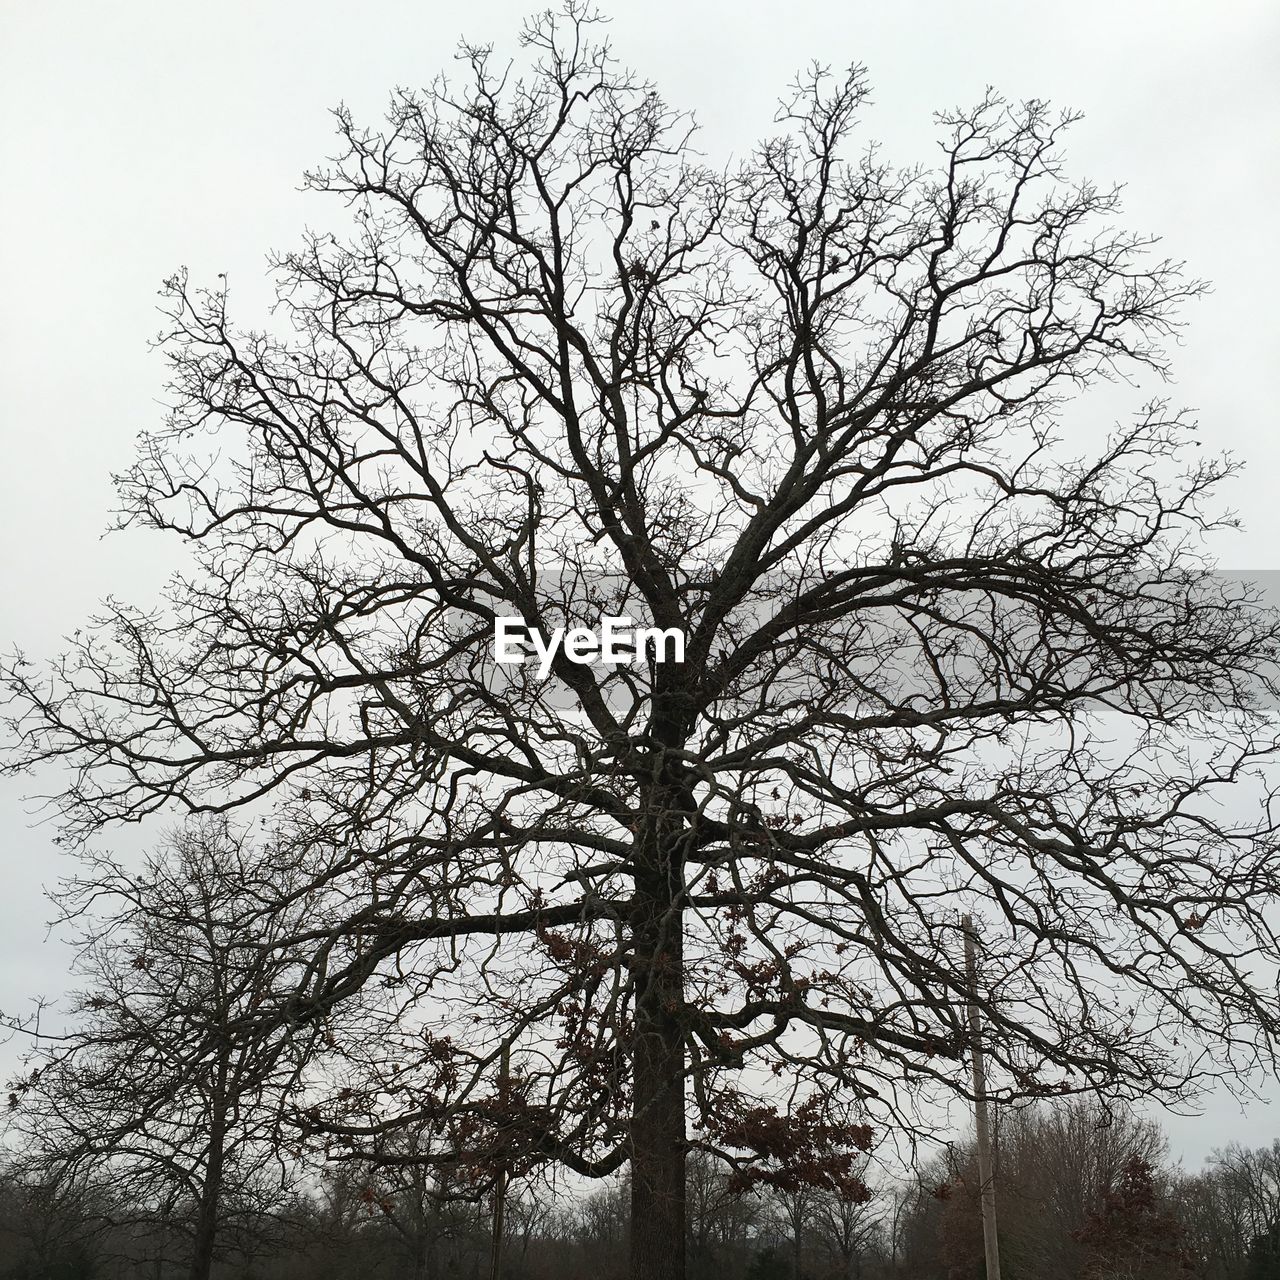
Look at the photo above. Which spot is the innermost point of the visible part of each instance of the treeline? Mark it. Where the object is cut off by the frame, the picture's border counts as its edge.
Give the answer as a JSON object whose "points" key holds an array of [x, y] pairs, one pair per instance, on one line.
{"points": [[1084, 1194]]}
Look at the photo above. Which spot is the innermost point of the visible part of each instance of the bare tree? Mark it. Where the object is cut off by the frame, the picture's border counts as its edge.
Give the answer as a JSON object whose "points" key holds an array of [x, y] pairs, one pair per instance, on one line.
{"points": [[162, 1093], [1133, 1235], [722, 1217], [1252, 1177], [426, 1210], [601, 1228], [1232, 1212], [1057, 1163], [939, 658], [47, 1226], [849, 1229]]}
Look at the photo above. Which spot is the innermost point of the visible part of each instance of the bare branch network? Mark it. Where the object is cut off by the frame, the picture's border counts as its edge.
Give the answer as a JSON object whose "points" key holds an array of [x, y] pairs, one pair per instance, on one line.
{"points": [[939, 657]]}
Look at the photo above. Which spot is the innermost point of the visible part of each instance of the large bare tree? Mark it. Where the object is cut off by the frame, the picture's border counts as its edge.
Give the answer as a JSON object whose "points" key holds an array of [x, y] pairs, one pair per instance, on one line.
{"points": [[943, 654]]}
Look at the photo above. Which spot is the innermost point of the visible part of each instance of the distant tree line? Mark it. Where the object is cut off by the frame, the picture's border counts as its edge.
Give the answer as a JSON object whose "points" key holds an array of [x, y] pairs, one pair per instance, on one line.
{"points": [[1085, 1194]]}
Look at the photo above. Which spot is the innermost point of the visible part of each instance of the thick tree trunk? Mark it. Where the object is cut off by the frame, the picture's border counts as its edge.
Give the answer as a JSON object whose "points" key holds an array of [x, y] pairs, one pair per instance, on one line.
{"points": [[658, 1142]]}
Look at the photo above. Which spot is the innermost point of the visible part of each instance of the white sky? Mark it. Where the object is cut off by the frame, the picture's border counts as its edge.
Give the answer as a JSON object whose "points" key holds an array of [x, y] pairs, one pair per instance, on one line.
{"points": [[139, 136]]}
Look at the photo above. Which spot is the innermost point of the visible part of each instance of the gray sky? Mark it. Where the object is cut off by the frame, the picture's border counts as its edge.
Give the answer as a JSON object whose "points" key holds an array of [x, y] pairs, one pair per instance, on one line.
{"points": [[138, 137]]}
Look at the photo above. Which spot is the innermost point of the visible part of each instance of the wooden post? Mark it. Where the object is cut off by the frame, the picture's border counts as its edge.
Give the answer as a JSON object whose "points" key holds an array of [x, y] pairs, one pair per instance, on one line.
{"points": [[981, 1118], [500, 1185]]}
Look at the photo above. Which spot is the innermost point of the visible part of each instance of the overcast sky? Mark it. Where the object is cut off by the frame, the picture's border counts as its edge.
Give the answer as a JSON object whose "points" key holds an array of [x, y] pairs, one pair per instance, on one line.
{"points": [[138, 137]]}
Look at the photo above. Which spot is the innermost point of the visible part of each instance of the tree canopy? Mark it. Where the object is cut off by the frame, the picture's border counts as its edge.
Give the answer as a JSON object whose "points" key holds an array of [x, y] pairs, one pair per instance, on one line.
{"points": [[942, 655]]}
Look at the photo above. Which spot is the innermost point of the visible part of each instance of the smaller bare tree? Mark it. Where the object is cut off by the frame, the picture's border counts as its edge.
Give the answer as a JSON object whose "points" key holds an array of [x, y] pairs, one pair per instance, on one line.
{"points": [[165, 1086]]}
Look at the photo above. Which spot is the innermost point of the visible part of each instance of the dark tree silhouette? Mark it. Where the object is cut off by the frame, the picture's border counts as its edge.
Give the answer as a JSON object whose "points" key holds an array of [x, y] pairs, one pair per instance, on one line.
{"points": [[942, 654]]}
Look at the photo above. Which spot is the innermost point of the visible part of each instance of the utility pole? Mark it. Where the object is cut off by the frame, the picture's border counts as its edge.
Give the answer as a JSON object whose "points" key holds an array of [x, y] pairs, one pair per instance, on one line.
{"points": [[981, 1118], [500, 1184]]}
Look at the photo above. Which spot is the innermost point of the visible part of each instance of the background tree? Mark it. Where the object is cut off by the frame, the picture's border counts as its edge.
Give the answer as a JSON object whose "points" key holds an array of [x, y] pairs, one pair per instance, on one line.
{"points": [[849, 1231], [1251, 1181], [1082, 1187], [47, 1228], [1132, 1236], [939, 657], [1056, 1166], [162, 1094], [601, 1225], [1263, 1258], [723, 1218], [423, 1208], [1231, 1208]]}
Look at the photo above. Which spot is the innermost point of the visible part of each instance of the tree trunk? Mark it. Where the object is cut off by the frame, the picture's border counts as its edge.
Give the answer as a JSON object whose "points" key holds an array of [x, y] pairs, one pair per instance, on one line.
{"points": [[206, 1228], [658, 1143], [421, 1249], [207, 1210]]}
